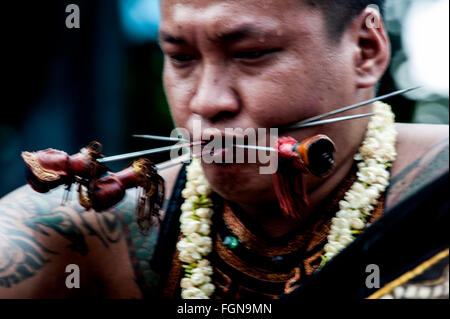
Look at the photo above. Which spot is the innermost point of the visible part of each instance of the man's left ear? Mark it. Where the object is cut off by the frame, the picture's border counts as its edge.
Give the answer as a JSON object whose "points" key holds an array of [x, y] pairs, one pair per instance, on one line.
{"points": [[374, 51]]}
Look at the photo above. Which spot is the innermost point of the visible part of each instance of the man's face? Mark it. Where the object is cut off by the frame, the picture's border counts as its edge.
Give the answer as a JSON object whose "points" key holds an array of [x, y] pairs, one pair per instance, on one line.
{"points": [[253, 64]]}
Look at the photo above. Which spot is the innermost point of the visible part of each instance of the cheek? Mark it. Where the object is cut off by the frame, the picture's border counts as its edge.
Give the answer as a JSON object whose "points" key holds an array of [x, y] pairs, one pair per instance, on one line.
{"points": [[285, 93], [178, 93]]}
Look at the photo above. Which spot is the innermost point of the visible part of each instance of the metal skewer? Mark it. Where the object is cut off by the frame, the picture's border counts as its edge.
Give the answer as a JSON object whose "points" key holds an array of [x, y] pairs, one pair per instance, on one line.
{"points": [[143, 153], [176, 161], [254, 147], [329, 121], [354, 106], [155, 137], [161, 138]]}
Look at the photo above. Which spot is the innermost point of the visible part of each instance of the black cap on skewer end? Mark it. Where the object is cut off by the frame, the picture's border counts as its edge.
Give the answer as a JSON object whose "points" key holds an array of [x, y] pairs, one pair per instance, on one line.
{"points": [[321, 157]]}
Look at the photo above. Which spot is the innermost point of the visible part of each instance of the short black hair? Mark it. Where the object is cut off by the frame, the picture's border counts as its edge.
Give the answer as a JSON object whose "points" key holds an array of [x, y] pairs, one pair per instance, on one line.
{"points": [[339, 13]]}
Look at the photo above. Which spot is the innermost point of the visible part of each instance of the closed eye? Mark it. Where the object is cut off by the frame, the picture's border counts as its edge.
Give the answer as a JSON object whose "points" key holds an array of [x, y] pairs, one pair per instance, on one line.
{"points": [[253, 54], [182, 58]]}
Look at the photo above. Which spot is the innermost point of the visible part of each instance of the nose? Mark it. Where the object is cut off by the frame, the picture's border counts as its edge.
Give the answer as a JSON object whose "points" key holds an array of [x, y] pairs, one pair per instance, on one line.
{"points": [[215, 97]]}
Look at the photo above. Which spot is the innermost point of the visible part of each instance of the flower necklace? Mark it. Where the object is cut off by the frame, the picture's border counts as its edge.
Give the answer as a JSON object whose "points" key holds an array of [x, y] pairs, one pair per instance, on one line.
{"points": [[195, 245], [374, 159]]}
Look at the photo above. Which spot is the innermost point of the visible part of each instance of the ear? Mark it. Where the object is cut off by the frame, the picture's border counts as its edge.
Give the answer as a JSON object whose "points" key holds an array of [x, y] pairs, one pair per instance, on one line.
{"points": [[373, 52]]}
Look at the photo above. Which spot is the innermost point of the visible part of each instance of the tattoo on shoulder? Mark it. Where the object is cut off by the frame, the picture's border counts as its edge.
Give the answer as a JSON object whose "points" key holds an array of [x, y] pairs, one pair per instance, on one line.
{"points": [[33, 226], [141, 248], [422, 171]]}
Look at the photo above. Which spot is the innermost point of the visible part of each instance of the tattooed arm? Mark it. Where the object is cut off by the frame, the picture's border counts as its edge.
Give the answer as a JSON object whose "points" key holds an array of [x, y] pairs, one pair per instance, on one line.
{"points": [[39, 238]]}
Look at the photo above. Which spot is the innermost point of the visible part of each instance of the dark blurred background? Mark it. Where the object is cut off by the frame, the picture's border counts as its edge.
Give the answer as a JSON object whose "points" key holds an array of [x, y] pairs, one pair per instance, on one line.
{"points": [[63, 88]]}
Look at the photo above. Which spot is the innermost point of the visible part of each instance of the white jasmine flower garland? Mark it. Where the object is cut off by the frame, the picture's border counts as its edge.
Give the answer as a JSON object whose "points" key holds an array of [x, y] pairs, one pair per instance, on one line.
{"points": [[196, 226], [375, 157]]}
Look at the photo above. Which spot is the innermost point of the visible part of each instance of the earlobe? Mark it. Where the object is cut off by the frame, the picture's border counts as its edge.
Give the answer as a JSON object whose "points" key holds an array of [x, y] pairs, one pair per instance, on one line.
{"points": [[373, 55]]}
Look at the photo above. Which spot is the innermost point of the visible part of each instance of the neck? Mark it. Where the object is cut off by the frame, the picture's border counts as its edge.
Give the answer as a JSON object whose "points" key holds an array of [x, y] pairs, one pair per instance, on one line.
{"points": [[268, 217]]}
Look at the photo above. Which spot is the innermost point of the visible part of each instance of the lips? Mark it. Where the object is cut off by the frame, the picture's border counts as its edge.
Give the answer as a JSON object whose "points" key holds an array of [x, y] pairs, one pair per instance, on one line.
{"points": [[222, 138], [216, 147]]}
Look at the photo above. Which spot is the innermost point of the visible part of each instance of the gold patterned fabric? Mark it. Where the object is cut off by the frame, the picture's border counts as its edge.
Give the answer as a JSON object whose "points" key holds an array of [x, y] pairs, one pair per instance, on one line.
{"points": [[430, 280], [258, 269]]}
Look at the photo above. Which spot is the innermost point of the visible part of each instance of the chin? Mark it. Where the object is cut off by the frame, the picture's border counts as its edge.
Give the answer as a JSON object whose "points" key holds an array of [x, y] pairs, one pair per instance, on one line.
{"points": [[239, 182]]}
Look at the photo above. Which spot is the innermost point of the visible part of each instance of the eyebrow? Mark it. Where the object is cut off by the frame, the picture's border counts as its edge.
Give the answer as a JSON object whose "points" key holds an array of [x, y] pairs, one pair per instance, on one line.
{"points": [[240, 33], [166, 37], [235, 35]]}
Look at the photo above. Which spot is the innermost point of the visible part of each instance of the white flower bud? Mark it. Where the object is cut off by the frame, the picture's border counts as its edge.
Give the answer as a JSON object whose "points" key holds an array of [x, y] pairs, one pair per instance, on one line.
{"points": [[206, 221], [186, 216], [358, 187], [192, 293], [196, 255], [185, 245], [341, 214], [197, 270], [334, 229], [339, 246], [203, 263], [193, 173], [190, 226], [187, 192], [345, 240], [203, 181], [344, 205], [208, 289], [193, 199], [207, 270], [186, 283], [190, 185], [186, 257], [204, 229], [341, 222], [205, 241], [204, 212], [357, 224], [203, 190], [187, 207], [332, 237], [203, 251], [330, 248], [194, 238], [329, 255], [345, 232], [198, 279]]}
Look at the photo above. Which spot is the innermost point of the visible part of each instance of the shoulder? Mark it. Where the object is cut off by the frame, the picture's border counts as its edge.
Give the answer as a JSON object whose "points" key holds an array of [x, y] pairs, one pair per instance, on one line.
{"points": [[142, 247], [170, 176], [423, 156], [40, 237]]}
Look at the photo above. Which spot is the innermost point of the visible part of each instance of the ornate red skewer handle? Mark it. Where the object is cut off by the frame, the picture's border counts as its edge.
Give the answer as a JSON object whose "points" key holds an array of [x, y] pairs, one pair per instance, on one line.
{"points": [[50, 168]]}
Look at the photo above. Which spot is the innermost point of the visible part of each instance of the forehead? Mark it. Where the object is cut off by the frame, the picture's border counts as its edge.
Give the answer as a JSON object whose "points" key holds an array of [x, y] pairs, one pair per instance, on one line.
{"points": [[224, 15]]}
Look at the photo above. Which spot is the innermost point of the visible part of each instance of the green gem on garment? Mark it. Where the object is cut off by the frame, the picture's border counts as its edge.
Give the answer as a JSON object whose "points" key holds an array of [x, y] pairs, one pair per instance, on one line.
{"points": [[231, 242]]}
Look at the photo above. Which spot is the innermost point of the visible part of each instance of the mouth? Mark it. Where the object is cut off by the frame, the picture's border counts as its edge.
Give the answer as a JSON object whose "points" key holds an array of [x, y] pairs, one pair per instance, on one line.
{"points": [[227, 140], [221, 148]]}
